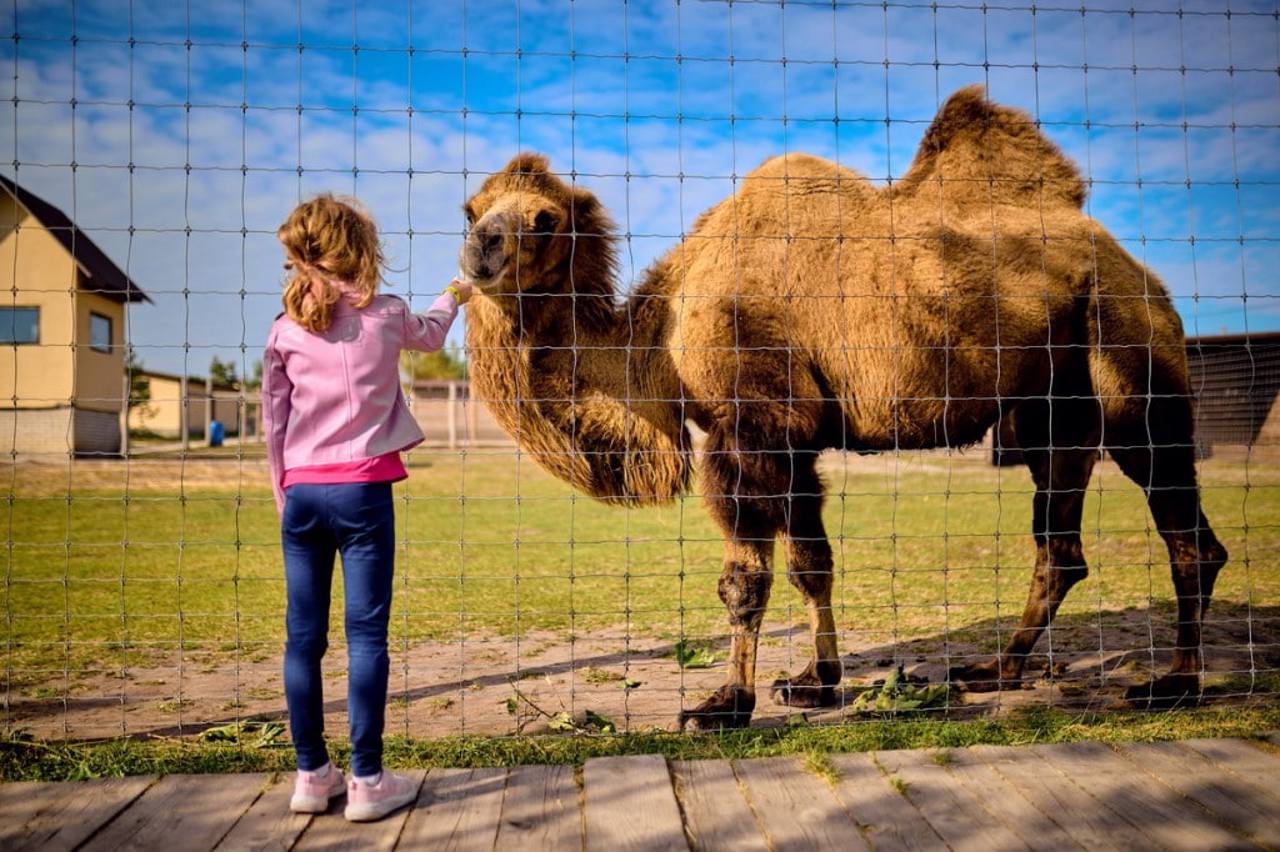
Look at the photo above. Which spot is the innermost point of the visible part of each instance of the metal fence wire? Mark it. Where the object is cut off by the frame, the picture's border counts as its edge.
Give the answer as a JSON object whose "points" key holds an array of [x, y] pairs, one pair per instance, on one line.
{"points": [[716, 445]]}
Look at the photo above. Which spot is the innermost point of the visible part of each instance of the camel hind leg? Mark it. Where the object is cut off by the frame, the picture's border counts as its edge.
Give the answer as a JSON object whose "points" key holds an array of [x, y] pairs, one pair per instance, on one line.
{"points": [[1158, 453], [1059, 438]]}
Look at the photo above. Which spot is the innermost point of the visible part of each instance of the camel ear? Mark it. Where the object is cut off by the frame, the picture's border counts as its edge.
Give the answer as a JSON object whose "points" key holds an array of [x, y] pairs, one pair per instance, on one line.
{"points": [[584, 205], [528, 163]]}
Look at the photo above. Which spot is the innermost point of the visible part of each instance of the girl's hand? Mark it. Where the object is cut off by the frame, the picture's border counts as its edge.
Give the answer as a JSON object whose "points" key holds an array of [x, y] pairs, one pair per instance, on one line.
{"points": [[463, 289]]}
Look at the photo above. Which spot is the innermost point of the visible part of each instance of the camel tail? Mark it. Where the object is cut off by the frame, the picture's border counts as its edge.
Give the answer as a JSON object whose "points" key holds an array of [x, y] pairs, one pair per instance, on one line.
{"points": [[977, 151]]}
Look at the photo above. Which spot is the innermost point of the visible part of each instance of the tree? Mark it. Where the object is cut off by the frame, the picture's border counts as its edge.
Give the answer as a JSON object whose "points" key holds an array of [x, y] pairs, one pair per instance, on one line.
{"points": [[223, 372], [442, 364], [255, 383], [139, 383]]}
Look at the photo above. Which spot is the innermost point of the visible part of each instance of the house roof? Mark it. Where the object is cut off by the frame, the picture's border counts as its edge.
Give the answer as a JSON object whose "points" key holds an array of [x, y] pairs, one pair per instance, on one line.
{"points": [[1269, 338], [104, 276], [194, 381]]}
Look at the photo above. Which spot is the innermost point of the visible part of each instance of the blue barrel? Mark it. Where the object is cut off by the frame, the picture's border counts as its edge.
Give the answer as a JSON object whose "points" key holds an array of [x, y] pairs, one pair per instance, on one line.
{"points": [[217, 432]]}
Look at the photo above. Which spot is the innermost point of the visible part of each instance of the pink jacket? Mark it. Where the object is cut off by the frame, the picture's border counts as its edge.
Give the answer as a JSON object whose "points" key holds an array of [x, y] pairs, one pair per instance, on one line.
{"points": [[335, 397]]}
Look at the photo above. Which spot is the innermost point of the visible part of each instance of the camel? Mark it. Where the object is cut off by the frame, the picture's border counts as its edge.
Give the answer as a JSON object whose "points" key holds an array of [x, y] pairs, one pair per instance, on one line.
{"points": [[812, 310]]}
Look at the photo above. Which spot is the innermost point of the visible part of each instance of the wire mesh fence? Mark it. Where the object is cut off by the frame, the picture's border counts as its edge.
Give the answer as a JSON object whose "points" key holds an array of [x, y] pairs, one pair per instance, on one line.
{"points": [[697, 318]]}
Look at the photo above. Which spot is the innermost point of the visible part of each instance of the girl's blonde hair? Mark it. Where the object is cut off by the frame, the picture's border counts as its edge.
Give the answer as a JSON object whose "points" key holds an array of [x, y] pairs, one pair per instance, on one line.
{"points": [[329, 241]]}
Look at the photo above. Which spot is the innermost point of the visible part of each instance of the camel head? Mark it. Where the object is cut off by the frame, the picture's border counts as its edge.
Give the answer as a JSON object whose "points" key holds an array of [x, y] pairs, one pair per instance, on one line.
{"points": [[529, 231]]}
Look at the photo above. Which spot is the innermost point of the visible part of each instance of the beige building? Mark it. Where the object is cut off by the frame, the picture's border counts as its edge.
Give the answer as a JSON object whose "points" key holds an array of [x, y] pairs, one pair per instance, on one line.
{"points": [[62, 335], [161, 415]]}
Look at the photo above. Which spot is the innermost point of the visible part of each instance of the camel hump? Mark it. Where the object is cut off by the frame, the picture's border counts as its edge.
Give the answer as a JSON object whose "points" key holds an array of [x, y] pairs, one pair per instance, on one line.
{"points": [[986, 152]]}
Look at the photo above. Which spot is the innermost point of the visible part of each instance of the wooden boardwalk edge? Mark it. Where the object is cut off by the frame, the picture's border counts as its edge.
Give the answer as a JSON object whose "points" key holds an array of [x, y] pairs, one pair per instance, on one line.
{"points": [[1177, 795]]}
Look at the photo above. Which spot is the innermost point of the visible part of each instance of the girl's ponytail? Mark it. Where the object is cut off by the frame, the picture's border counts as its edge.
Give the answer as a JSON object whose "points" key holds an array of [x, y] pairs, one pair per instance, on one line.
{"points": [[332, 247], [309, 298]]}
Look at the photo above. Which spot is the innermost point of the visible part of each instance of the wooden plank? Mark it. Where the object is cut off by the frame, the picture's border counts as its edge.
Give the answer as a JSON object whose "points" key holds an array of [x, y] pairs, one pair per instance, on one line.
{"points": [[540, 809], [1254, 764], [630, 805], [889, 820], [1234, 801], [181, 812], [456, 809], [62, 816], [1089, 822], [332, 832], [1158, 813], [268, 824], [797, 809], [716, 816], [955, 814], [1037, 828]]}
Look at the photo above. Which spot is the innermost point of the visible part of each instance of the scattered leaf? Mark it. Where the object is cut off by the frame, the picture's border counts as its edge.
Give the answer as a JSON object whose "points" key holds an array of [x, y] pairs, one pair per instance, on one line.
{"points": [[562, 721], [689, 655], [602, 724], [900, 693], [245, 732]]}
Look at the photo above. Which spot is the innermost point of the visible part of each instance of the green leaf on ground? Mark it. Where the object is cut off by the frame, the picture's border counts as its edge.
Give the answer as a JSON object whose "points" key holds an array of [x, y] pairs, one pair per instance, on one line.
{"points": [[689, 655], [245, 732], [899, 695]]}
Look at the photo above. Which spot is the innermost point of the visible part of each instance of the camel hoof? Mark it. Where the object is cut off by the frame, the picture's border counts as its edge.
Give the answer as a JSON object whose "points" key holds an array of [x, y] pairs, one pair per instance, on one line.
{"points": [[730, 707], [804, 690], [1166, 693], [982, 677]]}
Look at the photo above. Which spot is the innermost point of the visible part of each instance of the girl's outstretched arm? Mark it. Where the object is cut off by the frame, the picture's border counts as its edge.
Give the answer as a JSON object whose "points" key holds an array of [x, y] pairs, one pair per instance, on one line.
{"points": [[427, 332], [276, 392]]}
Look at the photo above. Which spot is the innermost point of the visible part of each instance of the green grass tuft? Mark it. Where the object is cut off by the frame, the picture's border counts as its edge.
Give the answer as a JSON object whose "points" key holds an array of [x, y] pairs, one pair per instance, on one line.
{"points": [[820, 764]]}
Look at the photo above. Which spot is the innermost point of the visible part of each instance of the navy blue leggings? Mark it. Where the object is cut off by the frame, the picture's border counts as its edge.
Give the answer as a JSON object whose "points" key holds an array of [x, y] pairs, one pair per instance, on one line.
{"points": [[320, 521]]}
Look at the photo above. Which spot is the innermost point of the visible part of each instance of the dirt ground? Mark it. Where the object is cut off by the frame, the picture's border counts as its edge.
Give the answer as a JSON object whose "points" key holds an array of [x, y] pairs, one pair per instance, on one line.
{"points": [[441, 688]]}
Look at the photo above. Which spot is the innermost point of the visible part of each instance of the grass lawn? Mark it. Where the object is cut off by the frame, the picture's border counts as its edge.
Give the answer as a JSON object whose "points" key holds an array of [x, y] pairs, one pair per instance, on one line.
{"points": [[108, 563]]}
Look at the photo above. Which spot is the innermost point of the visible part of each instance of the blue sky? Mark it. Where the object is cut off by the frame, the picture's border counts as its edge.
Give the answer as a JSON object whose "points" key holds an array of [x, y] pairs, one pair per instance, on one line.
{"points": [[631, 96]]}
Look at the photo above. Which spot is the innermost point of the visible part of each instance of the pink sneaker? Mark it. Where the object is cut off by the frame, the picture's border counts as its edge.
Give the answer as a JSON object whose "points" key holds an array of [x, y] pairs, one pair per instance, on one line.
{"points": [[312, 792], [366, 802]]}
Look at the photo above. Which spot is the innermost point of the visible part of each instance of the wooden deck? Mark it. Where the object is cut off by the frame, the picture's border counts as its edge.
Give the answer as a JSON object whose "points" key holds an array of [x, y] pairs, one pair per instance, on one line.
{"points": [[1198, 794]]}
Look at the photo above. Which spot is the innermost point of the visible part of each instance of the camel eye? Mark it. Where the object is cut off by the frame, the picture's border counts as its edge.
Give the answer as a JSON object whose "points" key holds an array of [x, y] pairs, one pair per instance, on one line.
{"points": [[544, 222], [470, 214]]}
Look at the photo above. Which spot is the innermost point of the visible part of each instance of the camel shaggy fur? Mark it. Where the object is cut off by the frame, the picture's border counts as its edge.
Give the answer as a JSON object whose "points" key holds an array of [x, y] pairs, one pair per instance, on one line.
{"points": [[811, 311]]}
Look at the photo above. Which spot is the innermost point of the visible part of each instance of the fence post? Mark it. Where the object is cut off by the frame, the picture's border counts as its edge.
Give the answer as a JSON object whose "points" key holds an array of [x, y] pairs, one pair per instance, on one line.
{"points": [[208, 407], [124, 415], [473, 423], [184, 417], [453, 415]]}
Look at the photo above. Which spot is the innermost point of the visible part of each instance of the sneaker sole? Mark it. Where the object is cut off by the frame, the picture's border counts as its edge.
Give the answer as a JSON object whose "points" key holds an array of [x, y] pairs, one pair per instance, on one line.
{"points": [[305, 805], [377, 810]]}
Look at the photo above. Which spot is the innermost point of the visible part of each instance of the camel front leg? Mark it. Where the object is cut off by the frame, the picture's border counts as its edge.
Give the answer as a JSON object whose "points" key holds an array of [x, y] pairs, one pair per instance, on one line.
{"points": [[809, 568], [744, 589], [741, 489]]}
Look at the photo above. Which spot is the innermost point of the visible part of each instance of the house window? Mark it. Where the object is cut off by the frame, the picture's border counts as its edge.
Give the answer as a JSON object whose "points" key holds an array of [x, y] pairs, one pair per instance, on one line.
{"points": [[99, 333], [19, 325]]}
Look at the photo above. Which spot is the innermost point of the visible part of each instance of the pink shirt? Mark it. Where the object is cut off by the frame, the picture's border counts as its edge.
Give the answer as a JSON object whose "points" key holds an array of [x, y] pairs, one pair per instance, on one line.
{"points": [[334, 397], [384, 468]]}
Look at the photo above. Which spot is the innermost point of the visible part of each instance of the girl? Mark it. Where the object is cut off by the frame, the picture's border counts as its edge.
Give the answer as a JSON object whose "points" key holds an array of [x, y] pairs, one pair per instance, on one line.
{"points": [[336, 422]]}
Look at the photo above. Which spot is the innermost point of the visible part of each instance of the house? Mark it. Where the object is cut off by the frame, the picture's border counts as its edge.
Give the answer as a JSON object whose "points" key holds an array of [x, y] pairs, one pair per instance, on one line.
{"points": [[1235, 379], [62, 334], [162, 414]]}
